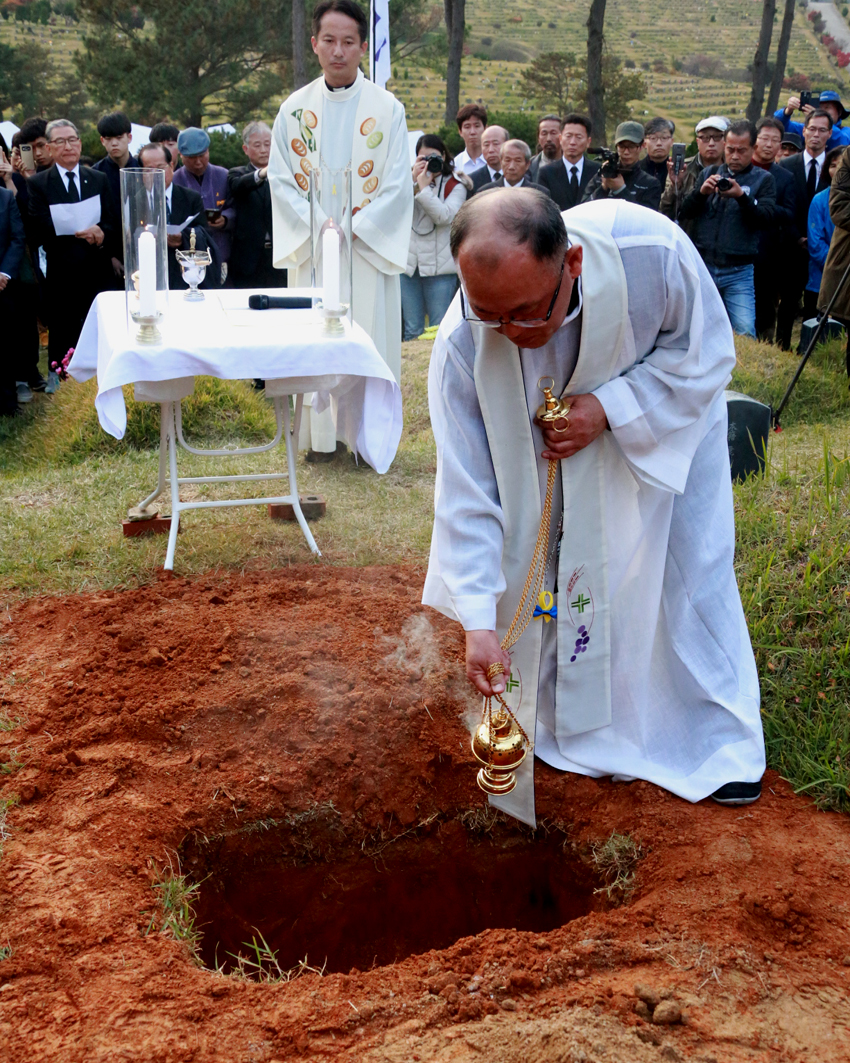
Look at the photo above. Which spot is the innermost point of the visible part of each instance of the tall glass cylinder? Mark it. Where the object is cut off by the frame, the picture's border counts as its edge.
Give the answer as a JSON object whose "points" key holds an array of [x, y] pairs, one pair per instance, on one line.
{"points": [[145, 236], [330, 243]]}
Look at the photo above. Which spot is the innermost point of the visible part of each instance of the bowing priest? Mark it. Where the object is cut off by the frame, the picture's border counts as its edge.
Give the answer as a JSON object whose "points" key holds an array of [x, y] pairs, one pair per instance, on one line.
{"points": [[342, 118], [639, 665]]}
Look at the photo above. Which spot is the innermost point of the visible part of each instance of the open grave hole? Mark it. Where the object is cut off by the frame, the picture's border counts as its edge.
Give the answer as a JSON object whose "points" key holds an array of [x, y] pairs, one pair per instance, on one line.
{"points": [[338, 901]]}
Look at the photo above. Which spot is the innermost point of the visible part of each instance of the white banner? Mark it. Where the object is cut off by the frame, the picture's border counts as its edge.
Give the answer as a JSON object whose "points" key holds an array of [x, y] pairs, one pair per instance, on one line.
{"points": [[380, 70]]}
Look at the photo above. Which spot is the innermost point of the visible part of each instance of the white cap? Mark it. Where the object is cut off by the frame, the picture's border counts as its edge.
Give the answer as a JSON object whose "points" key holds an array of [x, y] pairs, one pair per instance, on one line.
{"points": [[715, 121]]}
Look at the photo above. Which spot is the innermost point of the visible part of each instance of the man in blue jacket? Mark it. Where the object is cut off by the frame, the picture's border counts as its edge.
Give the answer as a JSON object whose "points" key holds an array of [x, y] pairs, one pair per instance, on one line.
{"points": [[731, 204], [830, 102]]}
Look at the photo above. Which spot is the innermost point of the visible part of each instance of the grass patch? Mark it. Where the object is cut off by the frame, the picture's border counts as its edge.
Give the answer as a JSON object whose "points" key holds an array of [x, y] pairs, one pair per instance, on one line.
{"points": [[174, 916], [262, 965], [616, 860]]}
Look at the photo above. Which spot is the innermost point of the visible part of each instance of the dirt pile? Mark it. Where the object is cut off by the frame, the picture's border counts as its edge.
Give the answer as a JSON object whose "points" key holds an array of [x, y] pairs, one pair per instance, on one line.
{"points": [[297, 741]]}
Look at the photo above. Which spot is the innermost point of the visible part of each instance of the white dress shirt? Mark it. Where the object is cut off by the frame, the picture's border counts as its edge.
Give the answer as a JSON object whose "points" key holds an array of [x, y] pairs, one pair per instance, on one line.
{"points": [[64, 175], [818, 162], [463, 162], [568, 166]]}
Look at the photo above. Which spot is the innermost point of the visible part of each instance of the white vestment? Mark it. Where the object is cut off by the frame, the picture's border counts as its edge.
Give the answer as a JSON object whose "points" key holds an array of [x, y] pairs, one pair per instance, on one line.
{"points": [[673, 697], [381, 225]]}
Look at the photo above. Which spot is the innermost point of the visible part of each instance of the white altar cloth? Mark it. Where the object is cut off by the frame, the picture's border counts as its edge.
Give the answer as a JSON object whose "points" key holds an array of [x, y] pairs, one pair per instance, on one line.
{"points": [[221, 337]]}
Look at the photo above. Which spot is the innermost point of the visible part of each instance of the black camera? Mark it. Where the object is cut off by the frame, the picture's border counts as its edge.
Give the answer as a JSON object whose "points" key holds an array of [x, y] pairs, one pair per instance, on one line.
{"points": [[610, 161], [678, 158], [437, 164], [723, 185], [809, 99]]}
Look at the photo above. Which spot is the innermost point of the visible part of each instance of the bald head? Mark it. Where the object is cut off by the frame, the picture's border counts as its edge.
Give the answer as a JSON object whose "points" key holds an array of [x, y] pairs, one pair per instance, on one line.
{"points": [[496, 223], [492, 139]]}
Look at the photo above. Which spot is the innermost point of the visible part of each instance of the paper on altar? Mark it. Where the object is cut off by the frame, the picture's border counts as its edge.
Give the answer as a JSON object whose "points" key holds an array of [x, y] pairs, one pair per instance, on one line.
{"points": [[72, 218], [175, 230]]}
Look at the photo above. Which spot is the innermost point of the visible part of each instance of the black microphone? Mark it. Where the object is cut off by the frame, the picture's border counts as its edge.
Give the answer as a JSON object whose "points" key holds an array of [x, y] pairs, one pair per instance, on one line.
{"points": [[280, 302]]}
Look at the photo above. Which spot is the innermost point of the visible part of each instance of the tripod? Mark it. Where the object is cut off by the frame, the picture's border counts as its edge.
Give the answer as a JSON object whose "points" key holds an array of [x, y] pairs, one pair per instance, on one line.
{"points": [[777, 427]]}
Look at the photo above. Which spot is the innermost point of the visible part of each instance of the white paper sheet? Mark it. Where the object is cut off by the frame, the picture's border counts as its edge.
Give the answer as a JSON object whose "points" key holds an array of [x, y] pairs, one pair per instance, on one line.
{"points": [[175, 230], [71, 218]]}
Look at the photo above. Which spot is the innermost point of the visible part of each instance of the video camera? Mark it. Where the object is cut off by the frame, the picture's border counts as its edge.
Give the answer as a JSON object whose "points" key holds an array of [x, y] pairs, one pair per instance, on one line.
{"points": [[610, 161]]}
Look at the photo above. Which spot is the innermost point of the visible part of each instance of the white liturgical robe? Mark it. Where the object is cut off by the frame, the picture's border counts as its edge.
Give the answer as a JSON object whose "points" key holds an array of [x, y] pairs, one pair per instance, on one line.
{"points": [[382, 215], [647, 671]]}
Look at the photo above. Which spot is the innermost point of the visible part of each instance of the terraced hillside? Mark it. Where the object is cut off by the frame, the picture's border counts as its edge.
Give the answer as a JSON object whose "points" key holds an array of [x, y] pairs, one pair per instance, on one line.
{"points": [[506, 34]]}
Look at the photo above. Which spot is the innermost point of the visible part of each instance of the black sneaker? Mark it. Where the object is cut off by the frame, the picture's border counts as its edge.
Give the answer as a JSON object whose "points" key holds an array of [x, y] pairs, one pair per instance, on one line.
{"points": [[737, 793]]}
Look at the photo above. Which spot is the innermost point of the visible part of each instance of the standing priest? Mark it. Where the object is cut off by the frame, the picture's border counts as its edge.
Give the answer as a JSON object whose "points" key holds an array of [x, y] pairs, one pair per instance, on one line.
{"points": [[640, 666], [341, 118]]}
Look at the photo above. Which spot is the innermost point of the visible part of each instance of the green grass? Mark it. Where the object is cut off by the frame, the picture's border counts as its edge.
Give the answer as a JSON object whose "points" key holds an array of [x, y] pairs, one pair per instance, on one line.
{"points": [[65, 486], [174, 916]]}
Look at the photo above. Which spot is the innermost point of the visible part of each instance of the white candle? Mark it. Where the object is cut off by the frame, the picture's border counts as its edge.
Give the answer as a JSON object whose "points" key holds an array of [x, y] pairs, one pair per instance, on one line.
{"points": [[330, 269], [147, 275]]}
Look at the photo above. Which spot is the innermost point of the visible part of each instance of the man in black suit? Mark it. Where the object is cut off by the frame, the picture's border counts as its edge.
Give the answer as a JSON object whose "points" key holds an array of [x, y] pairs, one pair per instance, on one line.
{"points": [[248, 187], [567, 179], [181, 204], [810, 177], [12, 244], [778, 244], [78, 266], [492, 139], [515, 159]]}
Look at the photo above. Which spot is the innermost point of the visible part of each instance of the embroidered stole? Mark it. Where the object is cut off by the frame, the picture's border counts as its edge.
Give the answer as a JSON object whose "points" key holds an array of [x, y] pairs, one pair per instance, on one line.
{"points": [[583, 698]]}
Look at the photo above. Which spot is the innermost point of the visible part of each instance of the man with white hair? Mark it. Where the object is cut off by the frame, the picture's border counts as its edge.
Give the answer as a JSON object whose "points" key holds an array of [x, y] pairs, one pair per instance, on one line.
{"points": [[251, 263], [515, 160], [638, 663], [492, 139]]}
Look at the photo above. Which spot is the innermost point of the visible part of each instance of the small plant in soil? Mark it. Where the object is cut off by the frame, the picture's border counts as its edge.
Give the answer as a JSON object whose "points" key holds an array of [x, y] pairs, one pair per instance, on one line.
{"points": [[616, 860], [13, 764], [5, 952], [175, 913], [263, 965], [5, 804]]}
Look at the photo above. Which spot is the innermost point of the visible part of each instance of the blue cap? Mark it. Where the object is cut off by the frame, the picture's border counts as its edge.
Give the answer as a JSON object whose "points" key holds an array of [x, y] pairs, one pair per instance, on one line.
{"points": [[831, 96], [193, 141]]}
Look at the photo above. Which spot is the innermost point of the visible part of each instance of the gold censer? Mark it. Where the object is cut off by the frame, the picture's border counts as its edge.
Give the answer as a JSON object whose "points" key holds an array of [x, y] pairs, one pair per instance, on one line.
{"points": [[499, 743]]}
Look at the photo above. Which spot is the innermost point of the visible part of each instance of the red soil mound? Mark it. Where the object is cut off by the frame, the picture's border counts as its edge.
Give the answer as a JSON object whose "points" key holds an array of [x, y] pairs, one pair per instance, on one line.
{"points": [[297, 741]]}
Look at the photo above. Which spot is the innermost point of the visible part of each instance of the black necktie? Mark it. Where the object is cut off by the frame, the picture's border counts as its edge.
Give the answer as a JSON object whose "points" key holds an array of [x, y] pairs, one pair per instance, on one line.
{"points": [[73, 194], [574, 182], [168, 210], [812, 182], [496, 175]]}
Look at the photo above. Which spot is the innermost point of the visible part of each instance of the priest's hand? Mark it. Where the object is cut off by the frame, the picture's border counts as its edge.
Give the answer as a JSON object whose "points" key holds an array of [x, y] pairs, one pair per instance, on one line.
{"points": [[482, 650], [587, 420]]}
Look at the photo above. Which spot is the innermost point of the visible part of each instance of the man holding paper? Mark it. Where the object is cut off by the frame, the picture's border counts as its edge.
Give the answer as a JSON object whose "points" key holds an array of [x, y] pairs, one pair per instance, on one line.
{"points": [[341, 119], [72, 218]]}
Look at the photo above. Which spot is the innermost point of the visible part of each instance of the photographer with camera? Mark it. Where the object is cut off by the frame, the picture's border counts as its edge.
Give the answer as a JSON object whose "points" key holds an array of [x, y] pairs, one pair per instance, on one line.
{"points": [[731, 204], [709, 135], [430, 281], [807, 102], [620, 176]]}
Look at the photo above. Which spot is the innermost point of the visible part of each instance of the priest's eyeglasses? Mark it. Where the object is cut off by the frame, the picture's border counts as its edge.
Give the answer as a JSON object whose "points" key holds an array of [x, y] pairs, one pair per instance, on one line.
{"points": [[469, 314]]}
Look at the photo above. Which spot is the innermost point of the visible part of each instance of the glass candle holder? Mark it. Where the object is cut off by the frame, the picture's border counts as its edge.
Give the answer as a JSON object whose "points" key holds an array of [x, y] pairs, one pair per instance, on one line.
{"points": [[145, 241], [330, 245]]}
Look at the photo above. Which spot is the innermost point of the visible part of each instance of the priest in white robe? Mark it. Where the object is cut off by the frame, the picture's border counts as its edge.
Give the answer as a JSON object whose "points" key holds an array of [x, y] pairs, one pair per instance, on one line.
{"points": [[342, 118], [644, 667]]}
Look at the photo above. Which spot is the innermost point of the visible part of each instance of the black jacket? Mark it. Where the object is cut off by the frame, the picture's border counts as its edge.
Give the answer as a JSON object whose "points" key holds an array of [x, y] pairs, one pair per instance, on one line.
{"points": [[796, 166], [781, 238], [479, 178], [554, 176], [640, 188], [74, 267], [725, 230], [253, 225]]}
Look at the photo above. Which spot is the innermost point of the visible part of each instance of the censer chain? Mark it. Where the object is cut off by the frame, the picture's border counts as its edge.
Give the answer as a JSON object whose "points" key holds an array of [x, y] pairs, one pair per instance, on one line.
{"points": [[525, 610]]}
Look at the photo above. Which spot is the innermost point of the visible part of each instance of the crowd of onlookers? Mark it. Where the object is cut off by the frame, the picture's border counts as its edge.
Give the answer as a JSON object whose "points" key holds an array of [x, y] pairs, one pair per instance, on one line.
{"points": [[754, 199], [48, 281]]}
